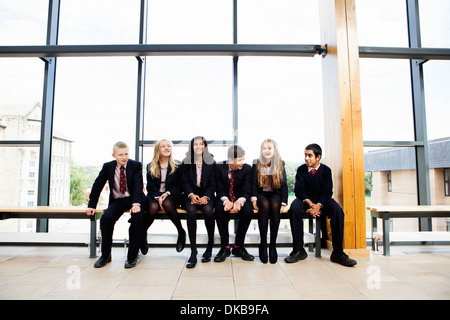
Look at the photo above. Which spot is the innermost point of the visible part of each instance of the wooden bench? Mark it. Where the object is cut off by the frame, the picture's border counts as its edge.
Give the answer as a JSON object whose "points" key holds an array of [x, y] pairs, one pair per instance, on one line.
{"points": [[49, 212], [385, 213]]}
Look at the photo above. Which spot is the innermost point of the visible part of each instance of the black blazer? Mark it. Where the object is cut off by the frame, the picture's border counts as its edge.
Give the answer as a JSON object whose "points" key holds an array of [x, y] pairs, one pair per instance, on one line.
{"points": [[318, 188], [282, 191], [207, 184], [172, 183], [242, 181], [134, 182]]}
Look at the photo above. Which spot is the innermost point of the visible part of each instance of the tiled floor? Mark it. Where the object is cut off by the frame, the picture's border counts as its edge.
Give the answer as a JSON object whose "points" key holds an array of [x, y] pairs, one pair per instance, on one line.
{"points": [[413, 272]]}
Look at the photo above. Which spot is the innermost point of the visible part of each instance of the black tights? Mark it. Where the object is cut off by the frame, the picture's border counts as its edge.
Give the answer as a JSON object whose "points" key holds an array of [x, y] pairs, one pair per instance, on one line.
{"points": [[269, 205], [192, 225], [170, 208]]}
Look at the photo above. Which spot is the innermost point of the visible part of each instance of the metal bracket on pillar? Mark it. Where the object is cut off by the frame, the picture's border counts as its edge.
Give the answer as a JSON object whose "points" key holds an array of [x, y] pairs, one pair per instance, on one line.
{"points": [[140, 59], [47, 60], [323, 51], [419, 62]]}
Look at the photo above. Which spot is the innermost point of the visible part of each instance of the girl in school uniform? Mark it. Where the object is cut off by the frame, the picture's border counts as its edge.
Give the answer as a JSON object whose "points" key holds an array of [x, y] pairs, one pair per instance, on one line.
{"points": [[269, 196], [198, 185], [163, 191]]}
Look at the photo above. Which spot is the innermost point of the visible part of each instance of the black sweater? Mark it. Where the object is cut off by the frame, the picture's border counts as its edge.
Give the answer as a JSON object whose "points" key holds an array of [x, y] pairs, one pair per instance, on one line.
{"points": [[317, 188]]}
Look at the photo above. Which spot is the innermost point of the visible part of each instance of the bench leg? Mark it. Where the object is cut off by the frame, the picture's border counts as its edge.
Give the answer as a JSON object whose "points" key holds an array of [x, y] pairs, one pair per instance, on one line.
{"points": [[93, 240], [386, 240], [318, 253], [311, 230], [374, 229]]}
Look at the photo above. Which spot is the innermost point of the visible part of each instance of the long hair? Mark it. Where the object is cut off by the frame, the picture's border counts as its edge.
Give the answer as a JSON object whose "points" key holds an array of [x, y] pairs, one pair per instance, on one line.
{"points": [[154, 166], [270, 173], [208, 158]]}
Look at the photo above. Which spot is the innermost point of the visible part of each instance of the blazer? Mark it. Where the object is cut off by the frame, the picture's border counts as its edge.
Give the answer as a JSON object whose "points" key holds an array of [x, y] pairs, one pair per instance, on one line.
{"points": [[207, 184], [242, 181], [318, 188], [172, 183], [282, 191], [134, 182]]}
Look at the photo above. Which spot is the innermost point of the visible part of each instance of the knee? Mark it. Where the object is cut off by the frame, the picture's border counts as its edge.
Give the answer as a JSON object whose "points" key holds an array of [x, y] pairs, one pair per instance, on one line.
{"points": [[153, 208]]}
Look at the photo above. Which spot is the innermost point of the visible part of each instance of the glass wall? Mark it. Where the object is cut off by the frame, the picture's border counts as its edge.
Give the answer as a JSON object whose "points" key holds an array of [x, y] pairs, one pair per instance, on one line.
{"points": [[247, 99]]}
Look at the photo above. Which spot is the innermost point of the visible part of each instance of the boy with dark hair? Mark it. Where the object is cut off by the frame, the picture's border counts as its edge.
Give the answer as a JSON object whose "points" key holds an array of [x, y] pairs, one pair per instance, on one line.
{"points": [[313, 190]]}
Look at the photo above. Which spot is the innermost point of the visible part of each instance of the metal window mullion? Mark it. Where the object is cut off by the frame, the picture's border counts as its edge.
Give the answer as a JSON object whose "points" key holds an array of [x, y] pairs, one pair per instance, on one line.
{"points": [[45, 152], [235, 106], [419, 113], [140, 99]]}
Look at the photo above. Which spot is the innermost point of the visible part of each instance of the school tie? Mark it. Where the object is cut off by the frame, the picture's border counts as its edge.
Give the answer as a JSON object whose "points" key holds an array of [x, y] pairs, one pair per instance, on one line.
{"points": [[313, 172], [230, 190], [123, 182]]}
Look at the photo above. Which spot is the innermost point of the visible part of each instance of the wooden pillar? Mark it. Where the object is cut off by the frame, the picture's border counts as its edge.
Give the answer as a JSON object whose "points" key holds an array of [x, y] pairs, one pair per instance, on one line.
{"points": [[343, 148]]}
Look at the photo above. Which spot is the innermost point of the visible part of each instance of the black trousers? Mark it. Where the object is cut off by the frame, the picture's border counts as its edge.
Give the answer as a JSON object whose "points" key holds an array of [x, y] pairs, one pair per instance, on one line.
{"points": [[223, 219], [331, 209], [107, 222]]}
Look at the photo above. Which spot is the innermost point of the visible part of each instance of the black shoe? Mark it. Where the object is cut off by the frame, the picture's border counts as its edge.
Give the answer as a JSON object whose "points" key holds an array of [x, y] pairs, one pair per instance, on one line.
{"points": [[342, 258], [273, 255], [296, 256], [181, 240], [223, 253], [241, 252], [192, 261], [206, 256], [263, 253], [102, 261], [144, 245], [130, 264]]}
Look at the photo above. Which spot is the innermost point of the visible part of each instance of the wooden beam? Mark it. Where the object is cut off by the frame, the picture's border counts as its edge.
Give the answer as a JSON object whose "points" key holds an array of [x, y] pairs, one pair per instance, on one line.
{"points": [[342, 111]]}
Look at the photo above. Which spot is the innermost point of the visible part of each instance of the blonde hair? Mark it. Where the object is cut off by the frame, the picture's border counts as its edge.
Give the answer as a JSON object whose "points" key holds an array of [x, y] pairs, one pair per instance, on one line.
{"points": [[119, 145], [154, 165], [275, 168]]}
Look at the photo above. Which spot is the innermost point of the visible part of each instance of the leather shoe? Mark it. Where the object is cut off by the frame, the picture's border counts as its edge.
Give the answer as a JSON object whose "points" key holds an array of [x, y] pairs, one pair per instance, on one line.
{"points": [[273, 255], [241, 252], [102, 261], [206, 256], [130, 264], [181, 241], [144, 245], [223, 253], [342, 258], [296, 256]]}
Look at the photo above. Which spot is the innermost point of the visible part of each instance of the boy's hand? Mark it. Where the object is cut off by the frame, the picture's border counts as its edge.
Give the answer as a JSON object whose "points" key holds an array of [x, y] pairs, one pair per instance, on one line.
{"points": [[135, 208], [90, 211]]}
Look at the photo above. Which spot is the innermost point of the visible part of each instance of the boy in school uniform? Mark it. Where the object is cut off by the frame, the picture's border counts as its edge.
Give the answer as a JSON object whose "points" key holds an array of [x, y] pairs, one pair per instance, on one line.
{"points": [[126, 192], [233, 189], [313, 190]]}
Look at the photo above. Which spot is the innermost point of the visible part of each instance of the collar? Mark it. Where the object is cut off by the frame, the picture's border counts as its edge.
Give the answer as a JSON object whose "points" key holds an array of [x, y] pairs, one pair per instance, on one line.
{"points": [[310, 168]]}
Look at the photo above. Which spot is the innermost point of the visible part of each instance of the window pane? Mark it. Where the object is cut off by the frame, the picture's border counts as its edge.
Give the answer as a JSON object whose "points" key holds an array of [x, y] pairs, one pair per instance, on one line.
{"points": [[21, 83], [435, 23], [386, 100], [382, 23], [278, 22], [192, 22], [23, 22], [276, 96], [95, 106], [400, 162], [437, 96], [99, 22], [188, 96], [19, 171]]}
